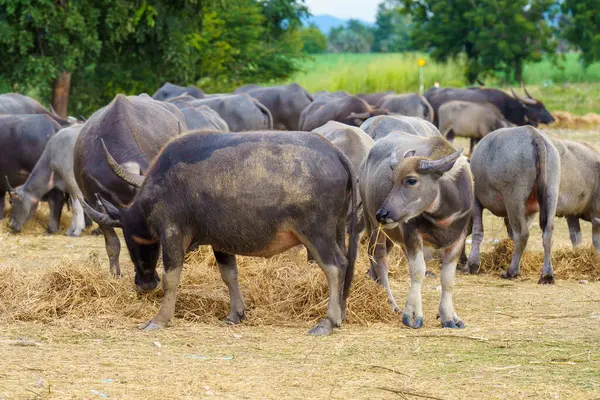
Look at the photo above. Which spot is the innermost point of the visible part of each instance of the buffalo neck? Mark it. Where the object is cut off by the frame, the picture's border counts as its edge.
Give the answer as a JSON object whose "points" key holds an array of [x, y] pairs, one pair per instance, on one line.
{"points": [[40, 180]]}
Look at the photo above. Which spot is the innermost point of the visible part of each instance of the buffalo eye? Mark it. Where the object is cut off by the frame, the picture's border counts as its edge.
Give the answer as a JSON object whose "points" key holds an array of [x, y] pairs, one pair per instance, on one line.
{"points": [[410, 181]]}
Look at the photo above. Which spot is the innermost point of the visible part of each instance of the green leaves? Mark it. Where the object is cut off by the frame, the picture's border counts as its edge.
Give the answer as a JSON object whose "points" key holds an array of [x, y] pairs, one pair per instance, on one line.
{"points": [[581, 26]]}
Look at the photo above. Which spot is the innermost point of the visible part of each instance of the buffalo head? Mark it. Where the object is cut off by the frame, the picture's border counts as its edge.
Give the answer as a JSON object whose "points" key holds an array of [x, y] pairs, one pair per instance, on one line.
{"points": [[23, 205], [535, 111], [414, 186]]}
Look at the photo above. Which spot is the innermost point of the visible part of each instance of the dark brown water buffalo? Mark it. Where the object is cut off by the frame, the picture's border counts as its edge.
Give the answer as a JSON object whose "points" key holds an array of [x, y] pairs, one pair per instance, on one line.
{"points": [[349, 110], [134, 129], [381, 126], [419, 191], [374, 98], [204, 118], [409, 104], [469, 120], [22, 142], [240, 111], [54, 170], [285, 103], [252, 194], [517, 173], [169, 90], [17, 104], [517, 110]]}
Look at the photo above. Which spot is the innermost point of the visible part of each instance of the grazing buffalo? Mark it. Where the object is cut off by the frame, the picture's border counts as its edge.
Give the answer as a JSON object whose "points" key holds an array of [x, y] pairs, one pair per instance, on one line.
{"points": [[169, 90], [517, 110], [469, 120], [134, 129], [410, 104], [517, 174], [240, 111], [354, 143], [204, 118], [285, 103], [381, 126], [18, 104], [22, 142], [54, 169], [374, 98], [253, 194], [349, 110], [418, 190]]}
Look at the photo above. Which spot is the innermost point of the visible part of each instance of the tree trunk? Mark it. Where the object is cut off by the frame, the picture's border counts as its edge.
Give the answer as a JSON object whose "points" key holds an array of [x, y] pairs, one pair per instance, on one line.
{"points": [[519, 70], [60, 94]]}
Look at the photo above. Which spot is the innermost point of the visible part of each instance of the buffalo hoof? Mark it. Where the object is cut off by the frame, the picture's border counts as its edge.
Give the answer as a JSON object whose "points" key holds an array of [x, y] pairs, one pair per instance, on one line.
{"points": [[508, 275], [546, 280], [473, 268], [371, 274], [73, 233], [453, 323], [234, 318], [430, 274], [415, 323], [323, 328], [151, 326]]}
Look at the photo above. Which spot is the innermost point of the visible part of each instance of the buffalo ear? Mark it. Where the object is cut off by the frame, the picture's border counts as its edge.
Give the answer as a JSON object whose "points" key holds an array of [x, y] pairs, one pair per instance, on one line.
{"points": [[409, 153], [393, 159]]}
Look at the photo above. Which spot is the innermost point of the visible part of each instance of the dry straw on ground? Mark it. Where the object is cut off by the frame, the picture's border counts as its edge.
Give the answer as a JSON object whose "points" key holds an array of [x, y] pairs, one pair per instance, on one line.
{"points": [[566, 120]]}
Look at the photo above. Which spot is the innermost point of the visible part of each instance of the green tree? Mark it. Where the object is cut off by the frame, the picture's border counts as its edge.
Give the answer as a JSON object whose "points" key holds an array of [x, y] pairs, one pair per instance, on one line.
{"points": [[392, 28], [495, 35], [354, 37], [581, 26], [313, 40]]}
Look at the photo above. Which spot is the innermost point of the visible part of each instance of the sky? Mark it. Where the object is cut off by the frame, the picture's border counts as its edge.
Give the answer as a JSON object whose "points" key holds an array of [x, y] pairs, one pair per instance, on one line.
{"points": [[361, 9]]}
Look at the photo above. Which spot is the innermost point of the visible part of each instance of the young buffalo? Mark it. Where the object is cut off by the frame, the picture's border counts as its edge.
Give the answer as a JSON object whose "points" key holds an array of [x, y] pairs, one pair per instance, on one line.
{"points": [[252, 194]]}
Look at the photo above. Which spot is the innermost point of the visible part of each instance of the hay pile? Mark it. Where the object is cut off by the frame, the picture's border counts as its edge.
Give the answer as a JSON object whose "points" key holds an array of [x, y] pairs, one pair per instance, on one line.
{"points": [[568, 263], [284, 291], [567, 120]]}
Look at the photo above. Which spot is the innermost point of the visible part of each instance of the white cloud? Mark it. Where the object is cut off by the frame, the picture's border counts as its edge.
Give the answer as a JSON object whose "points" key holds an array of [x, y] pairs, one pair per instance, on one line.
{"points": [[361, 9]]}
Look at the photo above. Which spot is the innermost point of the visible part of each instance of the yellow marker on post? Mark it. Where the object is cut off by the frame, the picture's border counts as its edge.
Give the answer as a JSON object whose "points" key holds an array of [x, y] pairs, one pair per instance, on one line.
{"points": [[421, 62]]}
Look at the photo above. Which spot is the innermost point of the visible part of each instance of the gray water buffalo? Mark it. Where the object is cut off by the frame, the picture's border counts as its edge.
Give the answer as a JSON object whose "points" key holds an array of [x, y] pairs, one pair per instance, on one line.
{"points": [[134, 129], [240, 111], [469, 120], [169, 90], [204, 118], [18, 104], [416, 191], [374, 98], [517, 173], [381, 126], [410, 104], [54, 169], [517, 110], [252, 194], [22, 142], [349, 110], [354, 143], [285, 103]]}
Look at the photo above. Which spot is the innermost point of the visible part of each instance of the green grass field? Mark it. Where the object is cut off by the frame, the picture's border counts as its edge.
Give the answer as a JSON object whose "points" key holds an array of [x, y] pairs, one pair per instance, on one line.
{"points": [[565, 86]]}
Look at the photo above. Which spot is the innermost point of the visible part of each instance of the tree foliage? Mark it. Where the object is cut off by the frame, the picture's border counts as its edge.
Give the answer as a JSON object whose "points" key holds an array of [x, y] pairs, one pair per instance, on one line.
{"points": [[113, 46], [581, 26], [495, 35], [313, 40], [354, 37], [392, 28]]}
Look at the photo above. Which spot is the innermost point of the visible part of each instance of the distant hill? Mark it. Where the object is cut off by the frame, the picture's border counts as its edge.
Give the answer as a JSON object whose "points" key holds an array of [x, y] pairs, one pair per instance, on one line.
{"points": [[325, 22]]}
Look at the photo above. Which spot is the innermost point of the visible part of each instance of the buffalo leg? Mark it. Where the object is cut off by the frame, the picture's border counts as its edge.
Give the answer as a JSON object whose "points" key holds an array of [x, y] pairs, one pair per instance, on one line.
{"points": [[520, 228], [412, 316], [378, 255], [509, 230], [56, 200], [474, 260], [334, 264], [446, 310], [113, 249], [2, 203], [574, 230], [173, 255], [78, 220], [229, 274], [596, 234]]}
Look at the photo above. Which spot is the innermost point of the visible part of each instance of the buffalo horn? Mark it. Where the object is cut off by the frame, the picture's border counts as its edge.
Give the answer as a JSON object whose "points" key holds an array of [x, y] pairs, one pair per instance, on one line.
{"points": [[108, 207], [10, 188], [527, 93], [98, 217], [443, 164], [131, 178], [364, 115]]}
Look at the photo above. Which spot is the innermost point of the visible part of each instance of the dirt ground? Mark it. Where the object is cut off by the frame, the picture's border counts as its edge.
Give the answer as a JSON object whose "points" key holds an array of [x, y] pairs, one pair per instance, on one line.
{"points": [[522, 340]]}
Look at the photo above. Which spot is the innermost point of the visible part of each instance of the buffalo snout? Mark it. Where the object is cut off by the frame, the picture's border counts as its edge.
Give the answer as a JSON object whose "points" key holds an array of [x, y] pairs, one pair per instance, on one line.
{"points": [[14, 226], [146, 285]]}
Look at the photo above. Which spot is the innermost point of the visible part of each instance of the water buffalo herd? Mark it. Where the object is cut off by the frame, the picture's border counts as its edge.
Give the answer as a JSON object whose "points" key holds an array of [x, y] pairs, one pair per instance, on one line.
{"points": [[267, 168]]}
